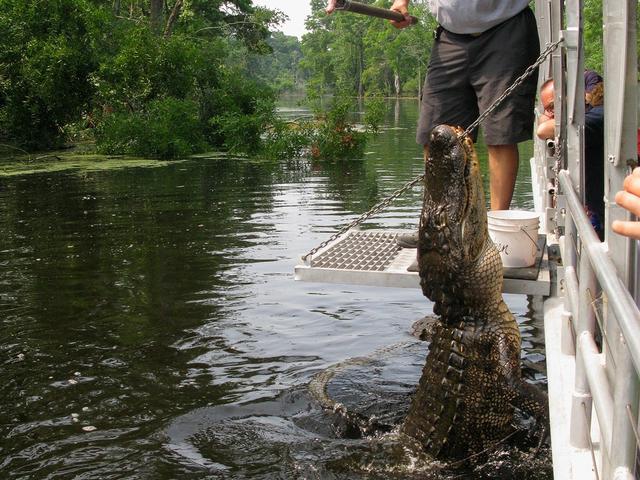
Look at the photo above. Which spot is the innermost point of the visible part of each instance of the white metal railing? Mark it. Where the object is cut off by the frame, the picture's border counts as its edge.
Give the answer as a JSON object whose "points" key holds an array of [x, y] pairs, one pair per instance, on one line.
{"points": [[598, 277], [610, 384]]}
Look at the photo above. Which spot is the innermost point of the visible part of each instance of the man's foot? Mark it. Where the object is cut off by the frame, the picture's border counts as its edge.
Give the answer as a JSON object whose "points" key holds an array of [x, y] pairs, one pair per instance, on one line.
{"points": [[414, 267], [407, 240]]}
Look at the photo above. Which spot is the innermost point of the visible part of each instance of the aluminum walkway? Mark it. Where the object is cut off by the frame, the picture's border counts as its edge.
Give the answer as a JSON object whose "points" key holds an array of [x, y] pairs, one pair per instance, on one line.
{"points": [[372, 257]]}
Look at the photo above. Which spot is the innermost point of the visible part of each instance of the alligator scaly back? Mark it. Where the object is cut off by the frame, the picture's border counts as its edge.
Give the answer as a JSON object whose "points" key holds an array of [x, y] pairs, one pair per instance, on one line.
{"points": [[471, 381]]}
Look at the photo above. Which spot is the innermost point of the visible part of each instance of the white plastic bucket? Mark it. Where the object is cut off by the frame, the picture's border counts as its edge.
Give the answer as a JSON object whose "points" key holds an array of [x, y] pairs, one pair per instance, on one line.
{"points": [[515, 234]]}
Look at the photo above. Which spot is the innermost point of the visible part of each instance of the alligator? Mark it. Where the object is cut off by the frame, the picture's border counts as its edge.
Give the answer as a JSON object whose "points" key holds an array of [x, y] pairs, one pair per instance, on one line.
{"points": [[471, 383]]}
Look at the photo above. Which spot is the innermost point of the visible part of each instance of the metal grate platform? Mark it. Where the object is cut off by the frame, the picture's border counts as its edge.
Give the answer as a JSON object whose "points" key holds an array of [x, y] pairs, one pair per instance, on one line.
{"points": [[373, 251], [372, 257]]}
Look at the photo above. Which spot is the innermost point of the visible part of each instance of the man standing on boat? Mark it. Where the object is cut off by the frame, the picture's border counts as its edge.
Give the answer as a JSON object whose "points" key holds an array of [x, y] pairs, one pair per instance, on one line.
{"points": [[480, 48]]}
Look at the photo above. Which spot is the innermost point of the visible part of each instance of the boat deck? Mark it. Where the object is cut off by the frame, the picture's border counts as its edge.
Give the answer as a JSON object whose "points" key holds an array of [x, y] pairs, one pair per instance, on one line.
{"points": [[372, 257]]}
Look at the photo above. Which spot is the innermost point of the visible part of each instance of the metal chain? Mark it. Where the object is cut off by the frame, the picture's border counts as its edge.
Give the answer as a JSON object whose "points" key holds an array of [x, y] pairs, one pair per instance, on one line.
{"points": [[372, 211], [527, 73], [387, 201], [557, 154]]}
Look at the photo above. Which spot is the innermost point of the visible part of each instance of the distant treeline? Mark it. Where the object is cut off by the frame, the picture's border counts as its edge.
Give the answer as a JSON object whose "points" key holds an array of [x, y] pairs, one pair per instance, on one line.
{"points": [[367, 56]]}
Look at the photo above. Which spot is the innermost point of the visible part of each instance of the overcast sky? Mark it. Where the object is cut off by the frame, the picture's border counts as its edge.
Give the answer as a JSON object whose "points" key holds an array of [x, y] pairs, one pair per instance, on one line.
{"points": [[297, 11]]}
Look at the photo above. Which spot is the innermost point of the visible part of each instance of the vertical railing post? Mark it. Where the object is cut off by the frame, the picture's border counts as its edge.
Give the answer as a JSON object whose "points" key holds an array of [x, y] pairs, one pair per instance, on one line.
{"points": [[575, 95], [625, 396], [544, 159], [586, 320], [557, 68], [570, 260], [621, 110], [621, 123]]}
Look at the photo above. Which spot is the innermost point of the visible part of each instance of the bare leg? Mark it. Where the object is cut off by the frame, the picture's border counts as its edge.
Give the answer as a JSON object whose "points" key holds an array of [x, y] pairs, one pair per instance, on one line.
{"points": [[503, 170]]}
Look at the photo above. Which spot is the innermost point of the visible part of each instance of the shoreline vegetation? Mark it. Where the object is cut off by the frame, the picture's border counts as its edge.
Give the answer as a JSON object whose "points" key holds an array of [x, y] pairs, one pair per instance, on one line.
{"points": [[167, 79]]}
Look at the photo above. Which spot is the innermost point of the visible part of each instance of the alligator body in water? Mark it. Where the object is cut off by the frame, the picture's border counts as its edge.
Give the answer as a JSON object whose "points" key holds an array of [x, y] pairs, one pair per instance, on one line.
{"points": [[471, 383]]}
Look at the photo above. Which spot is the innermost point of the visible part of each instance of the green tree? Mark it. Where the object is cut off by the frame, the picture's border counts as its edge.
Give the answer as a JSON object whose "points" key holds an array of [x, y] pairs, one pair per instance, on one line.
{"points": [[357, 55], [593, 51], [281, 68], [132, 69], [317, 46], [48, 52]]}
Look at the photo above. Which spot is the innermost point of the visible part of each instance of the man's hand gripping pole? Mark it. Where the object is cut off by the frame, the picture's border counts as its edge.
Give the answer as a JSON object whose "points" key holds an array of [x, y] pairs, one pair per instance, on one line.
{"points": [[357, 7]]}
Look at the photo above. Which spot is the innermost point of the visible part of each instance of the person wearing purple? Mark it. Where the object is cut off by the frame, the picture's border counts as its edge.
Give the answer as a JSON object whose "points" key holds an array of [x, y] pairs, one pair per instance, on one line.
{"points": [[592, 81]]}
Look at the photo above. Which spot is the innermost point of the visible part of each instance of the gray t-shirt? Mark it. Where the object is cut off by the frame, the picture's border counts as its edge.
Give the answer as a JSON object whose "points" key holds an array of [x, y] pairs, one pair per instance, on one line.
{"points": [[474, 16]]}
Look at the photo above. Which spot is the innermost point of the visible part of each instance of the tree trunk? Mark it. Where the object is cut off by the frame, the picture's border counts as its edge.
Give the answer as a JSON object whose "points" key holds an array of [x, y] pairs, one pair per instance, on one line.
{"points": [[360, 70], [173, 18], [156, 15], [397, 84], [116, 7]]}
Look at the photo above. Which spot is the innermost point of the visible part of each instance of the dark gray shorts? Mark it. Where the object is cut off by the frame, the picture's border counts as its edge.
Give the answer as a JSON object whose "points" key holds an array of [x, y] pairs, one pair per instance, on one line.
{"points": [[468, 73]]}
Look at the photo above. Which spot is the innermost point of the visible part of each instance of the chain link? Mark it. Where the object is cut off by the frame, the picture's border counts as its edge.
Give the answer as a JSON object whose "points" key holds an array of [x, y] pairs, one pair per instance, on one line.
{"points": [[387, 201]]}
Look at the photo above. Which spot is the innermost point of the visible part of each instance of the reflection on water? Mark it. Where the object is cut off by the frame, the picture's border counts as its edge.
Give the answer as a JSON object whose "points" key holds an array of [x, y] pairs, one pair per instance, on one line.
{"points": [[151, 327]]}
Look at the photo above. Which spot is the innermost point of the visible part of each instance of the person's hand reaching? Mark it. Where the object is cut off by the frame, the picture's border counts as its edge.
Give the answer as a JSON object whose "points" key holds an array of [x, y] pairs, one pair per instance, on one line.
{"points": [[629, 199]]}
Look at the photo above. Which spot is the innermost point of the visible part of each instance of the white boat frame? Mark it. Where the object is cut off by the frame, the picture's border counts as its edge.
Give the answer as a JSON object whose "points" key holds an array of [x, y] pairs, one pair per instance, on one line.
{"points": [[592, 322]]}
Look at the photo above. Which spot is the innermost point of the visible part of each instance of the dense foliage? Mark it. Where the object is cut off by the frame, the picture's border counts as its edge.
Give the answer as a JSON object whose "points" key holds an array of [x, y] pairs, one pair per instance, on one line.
{"points": [[149, 77], [48, 53], [329, 135], [593, 50], [166, 128]]}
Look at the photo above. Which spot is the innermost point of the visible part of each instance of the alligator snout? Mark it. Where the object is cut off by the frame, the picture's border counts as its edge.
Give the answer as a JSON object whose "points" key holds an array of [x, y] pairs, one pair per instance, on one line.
{"points": [[443, 133], [443, 137]]}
